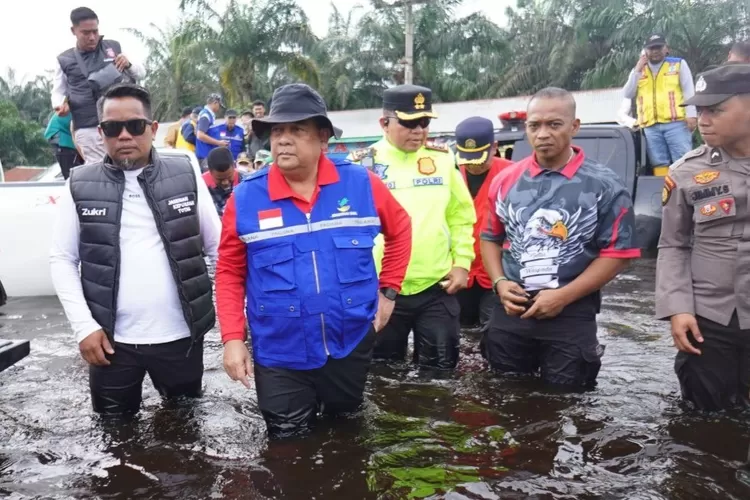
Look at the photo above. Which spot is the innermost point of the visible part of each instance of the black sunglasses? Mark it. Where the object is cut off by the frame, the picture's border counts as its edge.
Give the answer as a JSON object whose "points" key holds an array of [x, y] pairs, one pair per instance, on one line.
{"points": [[135, 127], [423, 122]]}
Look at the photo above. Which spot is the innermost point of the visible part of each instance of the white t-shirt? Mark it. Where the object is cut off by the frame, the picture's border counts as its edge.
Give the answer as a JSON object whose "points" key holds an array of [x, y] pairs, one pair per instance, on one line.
{"points": [[148, 304]]}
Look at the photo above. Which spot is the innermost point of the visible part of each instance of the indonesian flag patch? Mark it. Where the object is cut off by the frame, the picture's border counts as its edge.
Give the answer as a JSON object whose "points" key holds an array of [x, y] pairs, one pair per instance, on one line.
{"points": [[269, 219]]}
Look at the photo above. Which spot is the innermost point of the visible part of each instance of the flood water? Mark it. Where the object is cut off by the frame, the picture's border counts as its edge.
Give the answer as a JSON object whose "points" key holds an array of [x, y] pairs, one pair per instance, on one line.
{"points": [[471, 437]]}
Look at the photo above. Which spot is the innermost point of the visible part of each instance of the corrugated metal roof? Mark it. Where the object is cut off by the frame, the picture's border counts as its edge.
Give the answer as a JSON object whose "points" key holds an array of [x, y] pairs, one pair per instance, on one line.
{"points": [[594, 106]]}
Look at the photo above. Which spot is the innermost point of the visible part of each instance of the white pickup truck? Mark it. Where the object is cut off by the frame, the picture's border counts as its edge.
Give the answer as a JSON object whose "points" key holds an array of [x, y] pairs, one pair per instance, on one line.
{"points": [[27, 219]]}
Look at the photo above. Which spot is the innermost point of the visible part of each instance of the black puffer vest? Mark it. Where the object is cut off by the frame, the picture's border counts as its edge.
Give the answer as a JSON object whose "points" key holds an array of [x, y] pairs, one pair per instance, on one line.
{"points": [[170, 187], [80, 94]]}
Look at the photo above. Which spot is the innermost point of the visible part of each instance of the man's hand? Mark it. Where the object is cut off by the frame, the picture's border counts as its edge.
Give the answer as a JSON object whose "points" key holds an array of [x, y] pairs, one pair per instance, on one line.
{"points": [[237, 362], [456, 280], [224, 143], [681, 325], [692, 124], [385, 309], [512, 297], [642, 61], [547, 305], [94, 347], [63, 109], [121, 62]]}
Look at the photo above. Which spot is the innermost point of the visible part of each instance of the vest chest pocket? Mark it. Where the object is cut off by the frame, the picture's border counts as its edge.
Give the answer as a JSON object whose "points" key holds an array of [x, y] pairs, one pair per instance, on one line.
{"points": [[354, 259], [274, 268]]}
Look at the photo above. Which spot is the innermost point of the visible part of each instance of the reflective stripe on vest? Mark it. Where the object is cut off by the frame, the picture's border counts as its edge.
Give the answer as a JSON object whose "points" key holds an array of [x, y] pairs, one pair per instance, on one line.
{"points": [[312, 286], [659, 97]]}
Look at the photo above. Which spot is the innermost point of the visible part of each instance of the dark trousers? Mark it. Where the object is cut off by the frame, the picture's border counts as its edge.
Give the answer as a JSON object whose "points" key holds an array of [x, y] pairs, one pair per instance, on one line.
{"points": [[477, 304], [116, 388], [289, 400], [720, 377], [433, 315], [67, 158], [564, 350]]}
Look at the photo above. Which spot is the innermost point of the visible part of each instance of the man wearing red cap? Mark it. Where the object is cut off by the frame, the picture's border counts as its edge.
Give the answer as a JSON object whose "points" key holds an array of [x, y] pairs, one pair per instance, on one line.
{"points": [[477, 160]]}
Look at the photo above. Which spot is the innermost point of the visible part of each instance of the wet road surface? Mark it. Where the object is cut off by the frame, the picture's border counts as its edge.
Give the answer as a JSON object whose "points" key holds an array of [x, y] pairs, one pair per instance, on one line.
{"points": [[472, 437]]}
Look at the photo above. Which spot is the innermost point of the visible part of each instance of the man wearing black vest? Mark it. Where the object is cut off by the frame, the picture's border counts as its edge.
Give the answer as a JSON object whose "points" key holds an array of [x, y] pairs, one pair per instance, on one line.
{"points": [[83, 73], [140, 226]]}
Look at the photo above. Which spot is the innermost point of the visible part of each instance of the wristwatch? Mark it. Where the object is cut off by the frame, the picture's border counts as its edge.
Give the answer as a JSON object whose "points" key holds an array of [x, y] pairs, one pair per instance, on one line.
{"points": [[389, 293], [497, 280]]}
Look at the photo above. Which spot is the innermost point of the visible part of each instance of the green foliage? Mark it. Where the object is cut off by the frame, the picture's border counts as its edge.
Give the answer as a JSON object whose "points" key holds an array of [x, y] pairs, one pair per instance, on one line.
{"points": [[21, 142], [417, 458]]}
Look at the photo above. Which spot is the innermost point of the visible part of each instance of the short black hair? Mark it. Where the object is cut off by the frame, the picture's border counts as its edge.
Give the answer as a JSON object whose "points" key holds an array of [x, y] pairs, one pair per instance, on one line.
{"points": [[259, 103], [125, 90], [187, 111], [742, 49], [220, 159], [555, 93], [82, 14]]}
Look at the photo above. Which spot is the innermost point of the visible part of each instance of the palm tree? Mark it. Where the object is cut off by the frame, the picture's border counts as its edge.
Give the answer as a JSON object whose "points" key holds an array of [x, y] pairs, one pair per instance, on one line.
{"points": [[258, 45], [32, 99], [178, 75]]}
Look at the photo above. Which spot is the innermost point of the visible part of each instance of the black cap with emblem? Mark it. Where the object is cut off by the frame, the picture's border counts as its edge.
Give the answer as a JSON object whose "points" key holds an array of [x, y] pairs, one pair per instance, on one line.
{"points": [[409, 102], [716, 86]]}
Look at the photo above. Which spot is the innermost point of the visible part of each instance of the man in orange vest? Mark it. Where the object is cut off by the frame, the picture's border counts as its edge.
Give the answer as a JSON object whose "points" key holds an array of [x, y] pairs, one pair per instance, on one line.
{"points": [[660, 85], [475, 157]]}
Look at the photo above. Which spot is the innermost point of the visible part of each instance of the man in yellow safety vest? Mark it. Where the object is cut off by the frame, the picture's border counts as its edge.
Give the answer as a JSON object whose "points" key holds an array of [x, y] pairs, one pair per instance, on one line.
{"points": [[660, 84]]}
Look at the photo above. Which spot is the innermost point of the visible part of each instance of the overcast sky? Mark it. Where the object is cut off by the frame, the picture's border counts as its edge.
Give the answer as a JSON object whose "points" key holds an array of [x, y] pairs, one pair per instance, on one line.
{"points": [[34, 32]]}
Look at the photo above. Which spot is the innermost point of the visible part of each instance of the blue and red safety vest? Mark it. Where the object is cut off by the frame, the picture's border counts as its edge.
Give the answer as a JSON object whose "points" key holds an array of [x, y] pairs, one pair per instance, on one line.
{"points": [[312, 287]]}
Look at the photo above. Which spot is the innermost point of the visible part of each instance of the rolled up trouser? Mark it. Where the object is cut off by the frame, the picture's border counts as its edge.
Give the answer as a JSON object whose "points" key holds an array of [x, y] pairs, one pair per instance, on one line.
{"points": [[720, 377], [289, 400], [433, 315]]}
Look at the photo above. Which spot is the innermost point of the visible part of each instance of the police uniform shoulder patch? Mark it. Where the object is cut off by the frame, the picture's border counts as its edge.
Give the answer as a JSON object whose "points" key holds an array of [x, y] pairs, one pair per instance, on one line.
{"points": [[696, 153], [442, 148], [666, 192]]}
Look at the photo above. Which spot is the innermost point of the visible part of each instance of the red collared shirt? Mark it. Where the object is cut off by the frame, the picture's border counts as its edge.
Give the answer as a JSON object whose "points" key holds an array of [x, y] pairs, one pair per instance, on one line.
{"points": [[231, 271]]}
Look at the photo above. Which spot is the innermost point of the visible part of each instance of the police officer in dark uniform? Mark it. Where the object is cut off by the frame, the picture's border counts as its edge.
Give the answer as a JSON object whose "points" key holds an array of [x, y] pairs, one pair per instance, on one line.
{"points": [[703, 269]]}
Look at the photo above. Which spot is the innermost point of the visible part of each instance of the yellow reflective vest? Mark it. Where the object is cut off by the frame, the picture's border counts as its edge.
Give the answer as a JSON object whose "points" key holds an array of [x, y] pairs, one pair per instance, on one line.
{"points": [[659, 97], [431, 189], [182, 143]]}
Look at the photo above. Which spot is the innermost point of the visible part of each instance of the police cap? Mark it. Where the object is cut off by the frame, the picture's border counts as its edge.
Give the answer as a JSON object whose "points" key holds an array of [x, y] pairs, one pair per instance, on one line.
{"points": [[409, 102], [716, 86], [474, 139]]}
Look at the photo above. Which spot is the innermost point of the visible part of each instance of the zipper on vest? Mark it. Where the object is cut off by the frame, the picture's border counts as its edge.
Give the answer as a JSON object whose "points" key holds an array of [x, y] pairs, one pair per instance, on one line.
{"points": [[317, 287], [116, 291]]}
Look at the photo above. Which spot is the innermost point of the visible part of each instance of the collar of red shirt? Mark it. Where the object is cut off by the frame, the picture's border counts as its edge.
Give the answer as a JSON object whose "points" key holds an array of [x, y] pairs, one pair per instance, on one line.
{"points": [[568, 170], [278, 187]]}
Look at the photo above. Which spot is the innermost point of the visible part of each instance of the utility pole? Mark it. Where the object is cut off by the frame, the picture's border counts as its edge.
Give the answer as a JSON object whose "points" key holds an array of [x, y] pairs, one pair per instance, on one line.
{"points": [[408, 32]]}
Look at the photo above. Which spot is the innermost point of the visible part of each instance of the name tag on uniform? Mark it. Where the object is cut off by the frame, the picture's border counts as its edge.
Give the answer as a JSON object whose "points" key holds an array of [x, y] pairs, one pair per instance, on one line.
{"points": [[428, 181], [182, 205]]}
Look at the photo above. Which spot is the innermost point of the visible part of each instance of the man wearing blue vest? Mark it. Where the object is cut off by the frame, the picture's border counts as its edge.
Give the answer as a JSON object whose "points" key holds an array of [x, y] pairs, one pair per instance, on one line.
{"points": [[298, 242], [204, 143], [230, 131]]}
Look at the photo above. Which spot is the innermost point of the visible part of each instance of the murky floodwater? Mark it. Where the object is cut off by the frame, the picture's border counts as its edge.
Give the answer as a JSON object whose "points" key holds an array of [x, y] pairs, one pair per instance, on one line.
{"points": [[475, 436]]}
